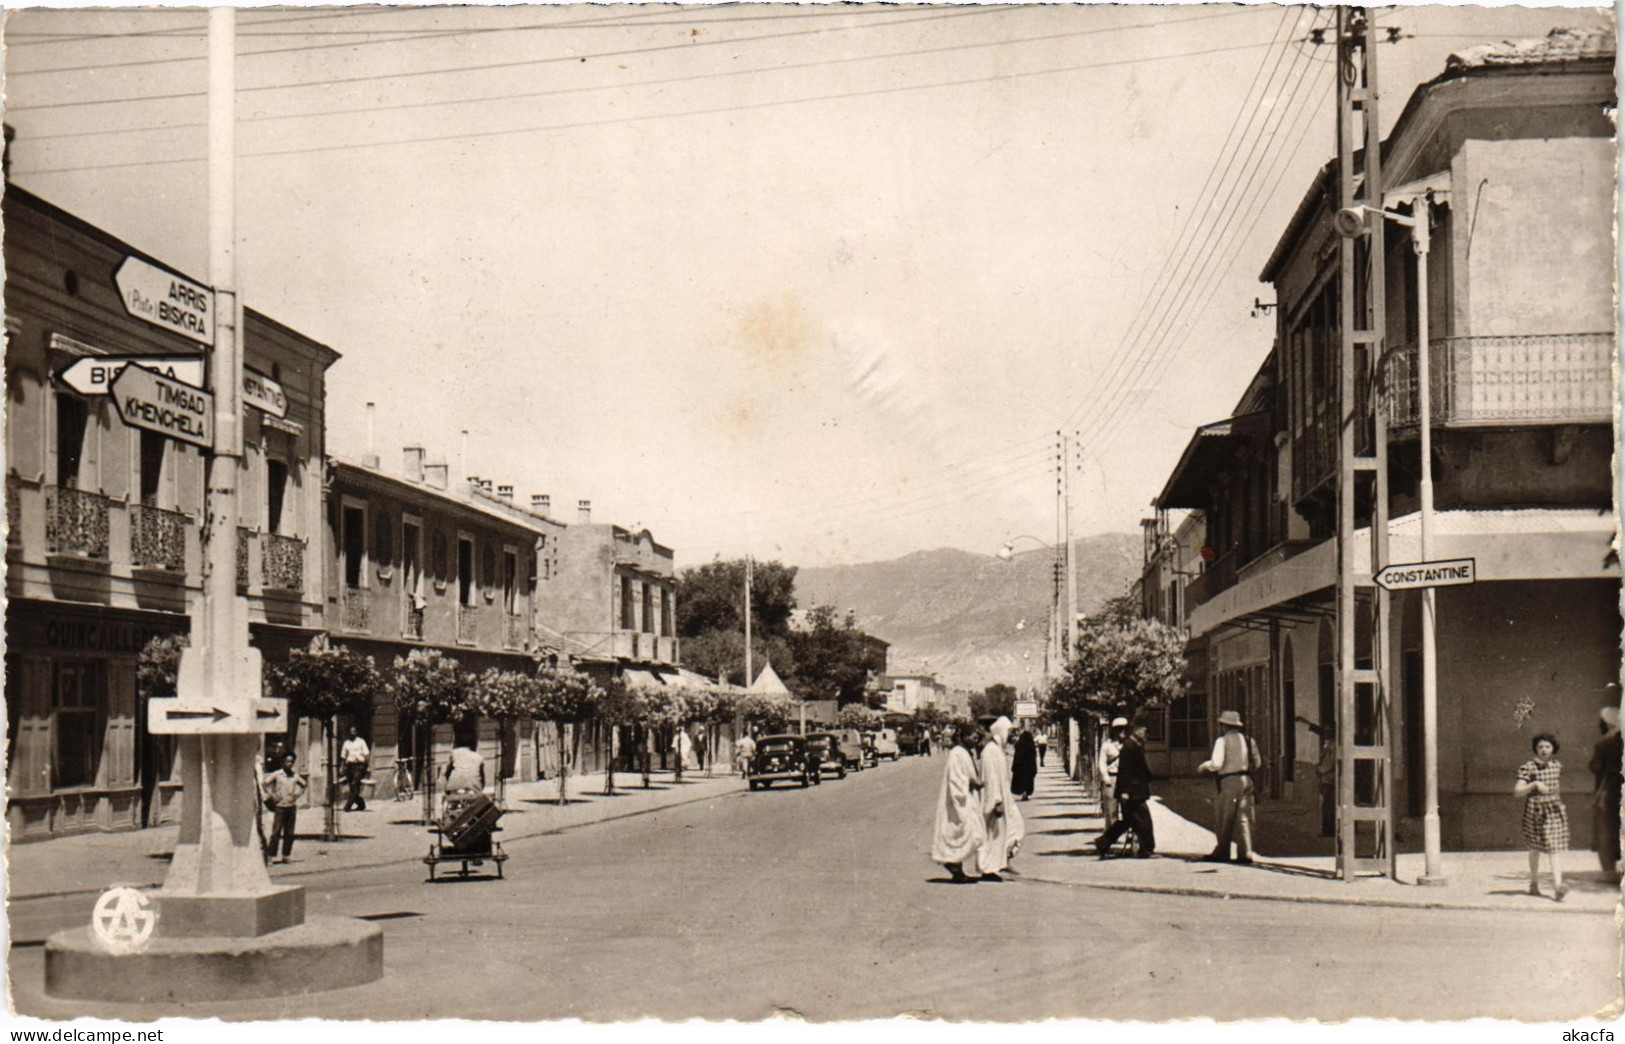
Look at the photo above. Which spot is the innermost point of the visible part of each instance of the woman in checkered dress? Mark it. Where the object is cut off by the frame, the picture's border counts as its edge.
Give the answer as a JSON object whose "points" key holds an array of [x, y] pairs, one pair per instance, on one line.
{"points": [[1545, 820]]}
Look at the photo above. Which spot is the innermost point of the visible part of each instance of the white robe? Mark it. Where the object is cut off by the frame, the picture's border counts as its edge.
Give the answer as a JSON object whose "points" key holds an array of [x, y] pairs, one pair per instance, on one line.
{"points": [[1004, 831], [960, 821]]}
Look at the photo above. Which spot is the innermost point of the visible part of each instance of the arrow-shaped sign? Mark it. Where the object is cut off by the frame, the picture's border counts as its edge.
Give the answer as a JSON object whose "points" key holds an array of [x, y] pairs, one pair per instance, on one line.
{"points": [[1448, 572], [217, 714], [262, 713], [94, 374]]}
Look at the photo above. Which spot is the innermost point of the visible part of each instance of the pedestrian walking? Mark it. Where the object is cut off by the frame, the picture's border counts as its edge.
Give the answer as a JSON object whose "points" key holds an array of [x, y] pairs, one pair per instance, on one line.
{"points": [[1005, 826], [1024, 766], [356, 756], [744, 753], [282, 791], [961, 827], [1235, 758], [1606, 762], [1545, 820], [1106, 770], [1133, 798], [1042, 743]]}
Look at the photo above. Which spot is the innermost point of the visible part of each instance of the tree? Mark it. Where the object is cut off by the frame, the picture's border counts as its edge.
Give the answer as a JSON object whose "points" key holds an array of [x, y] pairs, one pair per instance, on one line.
{"points": [[564, 697], [1122, 664], [998, 700], [832, 659], [768, 713], [721, 654], [428, 689], [930, 714], [504, 696], [158, 665], [711, 597], [619, 706], [856, 716], [324, 681]]}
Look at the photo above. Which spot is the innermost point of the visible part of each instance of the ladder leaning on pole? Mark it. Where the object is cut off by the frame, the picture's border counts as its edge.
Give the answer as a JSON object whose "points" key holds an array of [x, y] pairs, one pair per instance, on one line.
{"points": [[1365, 827]]}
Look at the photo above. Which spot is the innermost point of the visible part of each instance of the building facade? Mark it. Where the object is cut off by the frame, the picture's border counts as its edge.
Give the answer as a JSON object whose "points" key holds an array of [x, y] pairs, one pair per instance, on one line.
{"points": [[1510, 154], [103, 553]]}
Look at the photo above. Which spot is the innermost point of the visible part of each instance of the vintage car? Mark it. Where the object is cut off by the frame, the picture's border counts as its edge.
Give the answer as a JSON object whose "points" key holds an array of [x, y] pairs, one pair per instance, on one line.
{"points": [[824, 752], [886, 745], [851, 743], [782, 757], [911, 739], [868, 740]]}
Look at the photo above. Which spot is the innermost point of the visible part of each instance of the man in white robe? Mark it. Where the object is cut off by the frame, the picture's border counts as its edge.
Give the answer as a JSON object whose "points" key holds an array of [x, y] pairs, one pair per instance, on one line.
{"points": [[1005, 827], [961, 825]]}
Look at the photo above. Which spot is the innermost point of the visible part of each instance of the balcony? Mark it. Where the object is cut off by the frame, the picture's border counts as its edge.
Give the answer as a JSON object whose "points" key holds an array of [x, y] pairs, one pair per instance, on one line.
{"points": [[1492, 381], [1219, 575], [357, 611], [282, 562], [76, 522], [244, 536], [157, 538], [513, 631], [412, 626], [468, 624]]}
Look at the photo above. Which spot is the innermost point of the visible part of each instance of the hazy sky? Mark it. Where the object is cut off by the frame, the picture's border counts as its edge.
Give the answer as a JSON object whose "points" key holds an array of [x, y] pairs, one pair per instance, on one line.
{"points": [[820, 283]]}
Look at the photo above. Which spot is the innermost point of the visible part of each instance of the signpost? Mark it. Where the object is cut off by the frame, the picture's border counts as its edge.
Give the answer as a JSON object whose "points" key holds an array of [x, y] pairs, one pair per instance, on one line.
{"points": [[1447, 572], [170, 717], [94, 375], [264, 394], [162, 298], [146, 399], [1026, 708]]}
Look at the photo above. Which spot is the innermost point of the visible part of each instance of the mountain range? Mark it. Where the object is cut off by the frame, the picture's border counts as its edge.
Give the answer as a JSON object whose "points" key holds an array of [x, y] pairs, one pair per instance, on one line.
{"points": [[970, 619]]}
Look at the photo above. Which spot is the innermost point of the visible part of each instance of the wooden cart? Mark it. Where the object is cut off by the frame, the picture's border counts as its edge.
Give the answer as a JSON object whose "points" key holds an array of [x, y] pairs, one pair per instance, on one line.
{"points": [[464, 834]]}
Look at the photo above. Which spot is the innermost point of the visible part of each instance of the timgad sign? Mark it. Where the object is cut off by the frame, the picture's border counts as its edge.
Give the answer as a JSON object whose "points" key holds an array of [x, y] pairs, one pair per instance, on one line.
{"points": [[146, 399], [1449, 572]]}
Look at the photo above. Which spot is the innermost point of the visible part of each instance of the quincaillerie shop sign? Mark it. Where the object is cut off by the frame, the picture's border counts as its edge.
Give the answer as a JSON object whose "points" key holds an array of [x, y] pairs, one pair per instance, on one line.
{"points": [[86, 634]]}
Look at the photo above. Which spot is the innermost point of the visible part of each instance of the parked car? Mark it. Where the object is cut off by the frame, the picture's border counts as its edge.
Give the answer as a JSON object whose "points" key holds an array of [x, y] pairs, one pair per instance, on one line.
{"points": [[911, 739], [782, 758], [869, 756], [850, 742], [824, 753], [886, 745]]}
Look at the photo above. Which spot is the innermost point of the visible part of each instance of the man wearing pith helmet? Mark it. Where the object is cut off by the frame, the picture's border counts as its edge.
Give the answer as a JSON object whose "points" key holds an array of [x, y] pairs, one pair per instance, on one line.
{"points": [[1235, 759]]}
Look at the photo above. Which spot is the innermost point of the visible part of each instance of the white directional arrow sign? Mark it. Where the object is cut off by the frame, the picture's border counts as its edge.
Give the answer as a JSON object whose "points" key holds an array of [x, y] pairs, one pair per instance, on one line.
{"points": [[1448, 572], [152, 401], [162, 298], [171, 717], [94, 374]]}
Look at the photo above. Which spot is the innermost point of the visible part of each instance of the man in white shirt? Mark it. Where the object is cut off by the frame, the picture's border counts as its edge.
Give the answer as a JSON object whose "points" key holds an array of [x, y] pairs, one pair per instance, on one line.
{"points": [[356, 757], [1235, 758], [1106, 769]]}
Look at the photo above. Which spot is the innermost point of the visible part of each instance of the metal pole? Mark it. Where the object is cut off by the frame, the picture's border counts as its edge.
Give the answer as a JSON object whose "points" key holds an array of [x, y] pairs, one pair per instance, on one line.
{"points": [[1071, 630], [1422, 218], [749, 677]]}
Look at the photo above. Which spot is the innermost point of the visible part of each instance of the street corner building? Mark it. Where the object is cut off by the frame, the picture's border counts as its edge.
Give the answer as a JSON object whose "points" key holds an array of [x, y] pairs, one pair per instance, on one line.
{"points": [[1511, 150], [102, 545]]}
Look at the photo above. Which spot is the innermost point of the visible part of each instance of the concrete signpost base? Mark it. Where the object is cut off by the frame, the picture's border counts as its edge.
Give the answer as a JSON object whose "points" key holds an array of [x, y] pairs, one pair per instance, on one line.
{"points": [[324, 953]]}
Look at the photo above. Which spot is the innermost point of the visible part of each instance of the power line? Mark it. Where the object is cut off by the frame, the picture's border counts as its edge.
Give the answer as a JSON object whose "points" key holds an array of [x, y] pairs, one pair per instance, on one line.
{"points": [[664, 81], [515, 64], [582, 124]]}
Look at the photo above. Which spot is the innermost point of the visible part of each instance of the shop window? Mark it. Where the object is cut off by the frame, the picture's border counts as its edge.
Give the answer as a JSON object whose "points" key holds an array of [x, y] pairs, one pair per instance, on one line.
{"points": [[1187, 722], [78, 695]]}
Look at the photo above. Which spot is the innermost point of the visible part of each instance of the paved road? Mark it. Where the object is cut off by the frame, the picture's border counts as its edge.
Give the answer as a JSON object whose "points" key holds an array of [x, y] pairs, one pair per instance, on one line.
{"points": [[824, 902]]}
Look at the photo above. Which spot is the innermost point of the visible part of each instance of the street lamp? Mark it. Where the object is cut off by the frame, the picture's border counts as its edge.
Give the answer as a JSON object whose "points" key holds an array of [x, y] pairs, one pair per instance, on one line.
{"points": [[1350, 222], [1008, 551]]}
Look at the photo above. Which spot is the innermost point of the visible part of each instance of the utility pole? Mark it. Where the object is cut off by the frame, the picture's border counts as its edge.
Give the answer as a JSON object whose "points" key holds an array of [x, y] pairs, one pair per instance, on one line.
{"points": [[1433, 862], [1071, 564], [1365, 762], [749, 677]]}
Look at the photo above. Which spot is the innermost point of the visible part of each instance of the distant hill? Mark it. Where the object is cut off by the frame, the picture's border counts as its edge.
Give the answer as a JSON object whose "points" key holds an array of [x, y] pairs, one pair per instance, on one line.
{"points": [[971, 619]]}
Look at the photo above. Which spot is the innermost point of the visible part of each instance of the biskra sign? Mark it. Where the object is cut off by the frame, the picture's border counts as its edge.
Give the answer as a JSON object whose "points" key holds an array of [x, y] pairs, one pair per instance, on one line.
{"points": [[94, 374], [162, 298], [150, 400]]}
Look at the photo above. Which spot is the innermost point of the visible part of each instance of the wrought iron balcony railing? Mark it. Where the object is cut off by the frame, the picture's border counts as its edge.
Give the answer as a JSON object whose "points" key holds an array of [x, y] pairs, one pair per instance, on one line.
{"points": [[357, 614], [412, 625], [76, 522], [468, 621], [1530, 379], [157, 538], [282, 562], [244, 537]]}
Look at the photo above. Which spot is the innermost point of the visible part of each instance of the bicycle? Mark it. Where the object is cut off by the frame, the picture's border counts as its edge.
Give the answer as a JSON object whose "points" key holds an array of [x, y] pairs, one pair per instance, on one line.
{"points": [[404, 788]]}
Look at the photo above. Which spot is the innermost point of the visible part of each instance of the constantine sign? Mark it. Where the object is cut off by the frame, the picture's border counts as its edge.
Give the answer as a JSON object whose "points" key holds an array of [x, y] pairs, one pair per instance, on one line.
{"points": [[1450, 572]]}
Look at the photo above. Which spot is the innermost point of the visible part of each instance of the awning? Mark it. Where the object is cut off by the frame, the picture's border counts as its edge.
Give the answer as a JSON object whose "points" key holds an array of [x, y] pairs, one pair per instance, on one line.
{"points": [[1210, 449]]}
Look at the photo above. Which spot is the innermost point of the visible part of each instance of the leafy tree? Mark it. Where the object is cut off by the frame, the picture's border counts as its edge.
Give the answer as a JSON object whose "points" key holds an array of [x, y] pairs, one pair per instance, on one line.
{"points": [[620, 706], [994, 701], [157, 666], [711, 597], [719, 653], [504, 696], [856, 716], [324, 681], [564, 697], [1123, 663], [428, 689], [930, 714], [832, 659], [768, 713]]}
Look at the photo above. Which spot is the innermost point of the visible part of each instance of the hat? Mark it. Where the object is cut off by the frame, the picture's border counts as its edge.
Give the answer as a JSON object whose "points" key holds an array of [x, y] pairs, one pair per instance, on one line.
{"points": [[1230, 717], [1610, 717], [1119, 723]]}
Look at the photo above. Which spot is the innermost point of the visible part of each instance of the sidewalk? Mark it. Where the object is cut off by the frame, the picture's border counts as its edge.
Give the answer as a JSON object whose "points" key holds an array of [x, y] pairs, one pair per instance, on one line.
{"points": [[1062, 823], [386, 833]]}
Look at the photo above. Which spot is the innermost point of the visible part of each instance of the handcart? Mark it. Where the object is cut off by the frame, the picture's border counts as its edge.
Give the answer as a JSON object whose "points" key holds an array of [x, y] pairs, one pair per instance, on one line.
{"points": [[464, 833]]}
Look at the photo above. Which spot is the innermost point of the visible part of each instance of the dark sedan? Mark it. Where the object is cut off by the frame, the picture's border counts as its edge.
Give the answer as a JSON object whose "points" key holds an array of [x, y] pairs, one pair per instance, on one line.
{"points": [[824, 752], [782, 758]]}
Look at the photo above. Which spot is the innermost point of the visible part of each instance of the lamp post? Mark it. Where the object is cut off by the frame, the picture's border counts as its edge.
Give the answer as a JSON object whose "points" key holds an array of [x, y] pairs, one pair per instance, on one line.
{"points": [[1348, 222]]}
